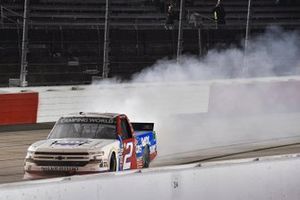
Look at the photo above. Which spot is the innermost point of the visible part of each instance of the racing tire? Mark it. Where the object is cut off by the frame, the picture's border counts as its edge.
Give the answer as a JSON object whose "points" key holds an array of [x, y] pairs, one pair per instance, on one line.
{"points": [[146, 157], [113, 163]]}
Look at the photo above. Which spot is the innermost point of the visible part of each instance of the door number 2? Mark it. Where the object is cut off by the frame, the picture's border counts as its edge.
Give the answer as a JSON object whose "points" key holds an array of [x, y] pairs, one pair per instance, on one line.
{"points": [[126, 164]]}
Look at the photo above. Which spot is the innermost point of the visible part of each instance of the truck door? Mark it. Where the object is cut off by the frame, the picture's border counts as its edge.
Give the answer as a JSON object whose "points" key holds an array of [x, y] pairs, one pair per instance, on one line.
{"points": [[129, 151]]}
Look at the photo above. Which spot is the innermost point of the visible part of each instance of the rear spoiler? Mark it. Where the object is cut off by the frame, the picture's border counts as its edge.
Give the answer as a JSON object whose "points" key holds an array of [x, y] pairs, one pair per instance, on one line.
{"points": [[138, 126]]}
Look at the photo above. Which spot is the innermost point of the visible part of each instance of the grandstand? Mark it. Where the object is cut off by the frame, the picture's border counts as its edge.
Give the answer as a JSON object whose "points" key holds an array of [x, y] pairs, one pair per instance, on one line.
{"points": [[66, 36]]}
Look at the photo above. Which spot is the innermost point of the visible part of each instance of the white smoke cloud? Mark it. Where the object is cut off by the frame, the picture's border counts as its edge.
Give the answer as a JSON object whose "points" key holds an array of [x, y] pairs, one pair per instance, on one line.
{"points": [[276, 52], [168, 94]]}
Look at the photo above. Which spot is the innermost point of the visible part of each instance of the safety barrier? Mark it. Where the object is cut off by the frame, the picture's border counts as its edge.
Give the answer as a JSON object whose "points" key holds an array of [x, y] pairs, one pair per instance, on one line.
{"points": [[255, 98], [269, 178], [250, 96]]}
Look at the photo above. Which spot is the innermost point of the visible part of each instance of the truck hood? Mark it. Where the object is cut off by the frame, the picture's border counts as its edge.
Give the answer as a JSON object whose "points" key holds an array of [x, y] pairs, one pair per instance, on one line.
{"points": [[70, 144]]}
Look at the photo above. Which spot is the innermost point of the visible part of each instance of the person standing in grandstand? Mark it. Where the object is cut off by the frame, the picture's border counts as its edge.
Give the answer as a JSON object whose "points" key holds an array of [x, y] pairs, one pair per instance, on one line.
{"points": [[219, 13], [170, 17]]}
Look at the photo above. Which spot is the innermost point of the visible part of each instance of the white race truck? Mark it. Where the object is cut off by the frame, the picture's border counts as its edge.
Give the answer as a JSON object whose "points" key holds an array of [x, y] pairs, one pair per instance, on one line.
{"points": [[85, 143]]}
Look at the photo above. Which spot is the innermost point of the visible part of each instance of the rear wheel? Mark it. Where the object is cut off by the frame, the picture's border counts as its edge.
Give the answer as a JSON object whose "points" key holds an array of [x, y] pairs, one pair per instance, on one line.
{"points": [[113, 163], [146, 157]]}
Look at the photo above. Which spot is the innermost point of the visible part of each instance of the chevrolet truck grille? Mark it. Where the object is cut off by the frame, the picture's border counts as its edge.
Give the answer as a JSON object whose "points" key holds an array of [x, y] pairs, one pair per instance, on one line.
{"points": [[61, 163], [61, 156]]}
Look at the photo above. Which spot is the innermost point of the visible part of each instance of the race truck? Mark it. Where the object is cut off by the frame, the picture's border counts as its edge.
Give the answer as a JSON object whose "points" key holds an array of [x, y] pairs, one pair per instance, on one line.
{"points": [[85, 143]]}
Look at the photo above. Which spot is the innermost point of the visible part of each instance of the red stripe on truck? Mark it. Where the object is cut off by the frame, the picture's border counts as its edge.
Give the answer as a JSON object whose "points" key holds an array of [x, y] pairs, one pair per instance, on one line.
{"points": [[18, 108]]}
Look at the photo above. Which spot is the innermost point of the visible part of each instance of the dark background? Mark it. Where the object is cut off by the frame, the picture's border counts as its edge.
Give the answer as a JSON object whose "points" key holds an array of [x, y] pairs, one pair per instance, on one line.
{"points": [[66, 36]]}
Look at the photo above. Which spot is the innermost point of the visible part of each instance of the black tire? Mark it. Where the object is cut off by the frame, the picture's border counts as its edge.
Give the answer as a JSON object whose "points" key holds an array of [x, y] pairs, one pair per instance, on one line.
{"points": [[113, 163], [146, 157]]}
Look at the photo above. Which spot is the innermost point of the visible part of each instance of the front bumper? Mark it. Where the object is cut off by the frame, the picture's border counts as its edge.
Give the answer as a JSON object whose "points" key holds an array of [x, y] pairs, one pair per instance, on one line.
{"points": [[33, 171]]}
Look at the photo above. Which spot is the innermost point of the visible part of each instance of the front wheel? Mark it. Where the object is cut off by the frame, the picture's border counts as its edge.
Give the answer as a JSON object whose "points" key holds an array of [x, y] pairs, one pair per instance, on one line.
{"points": [[146, 157], [113, 163]]}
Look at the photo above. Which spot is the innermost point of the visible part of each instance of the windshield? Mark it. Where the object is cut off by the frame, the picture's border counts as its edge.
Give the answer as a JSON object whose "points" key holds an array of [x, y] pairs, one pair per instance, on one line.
{"points": [[83, 128]]}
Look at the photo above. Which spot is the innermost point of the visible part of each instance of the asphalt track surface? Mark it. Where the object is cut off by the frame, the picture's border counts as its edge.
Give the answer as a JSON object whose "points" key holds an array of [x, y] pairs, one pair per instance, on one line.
{"points": [[13, 147]]}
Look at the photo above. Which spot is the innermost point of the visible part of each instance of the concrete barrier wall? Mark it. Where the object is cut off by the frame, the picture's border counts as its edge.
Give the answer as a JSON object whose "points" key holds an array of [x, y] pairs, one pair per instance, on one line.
{"points": [[259, 180], [255, 98], [126, 98], [214, 97]]}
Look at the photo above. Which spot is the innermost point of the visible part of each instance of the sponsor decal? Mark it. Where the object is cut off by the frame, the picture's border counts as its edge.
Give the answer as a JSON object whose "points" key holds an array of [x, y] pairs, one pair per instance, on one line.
{"points": [[59, 168], [88, 120], [152, 148], [145, 140], [138, 148]]}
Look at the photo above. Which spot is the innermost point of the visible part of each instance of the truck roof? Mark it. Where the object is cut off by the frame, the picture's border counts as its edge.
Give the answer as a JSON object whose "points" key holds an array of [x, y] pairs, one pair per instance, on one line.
{"points": [[93, 114]]}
